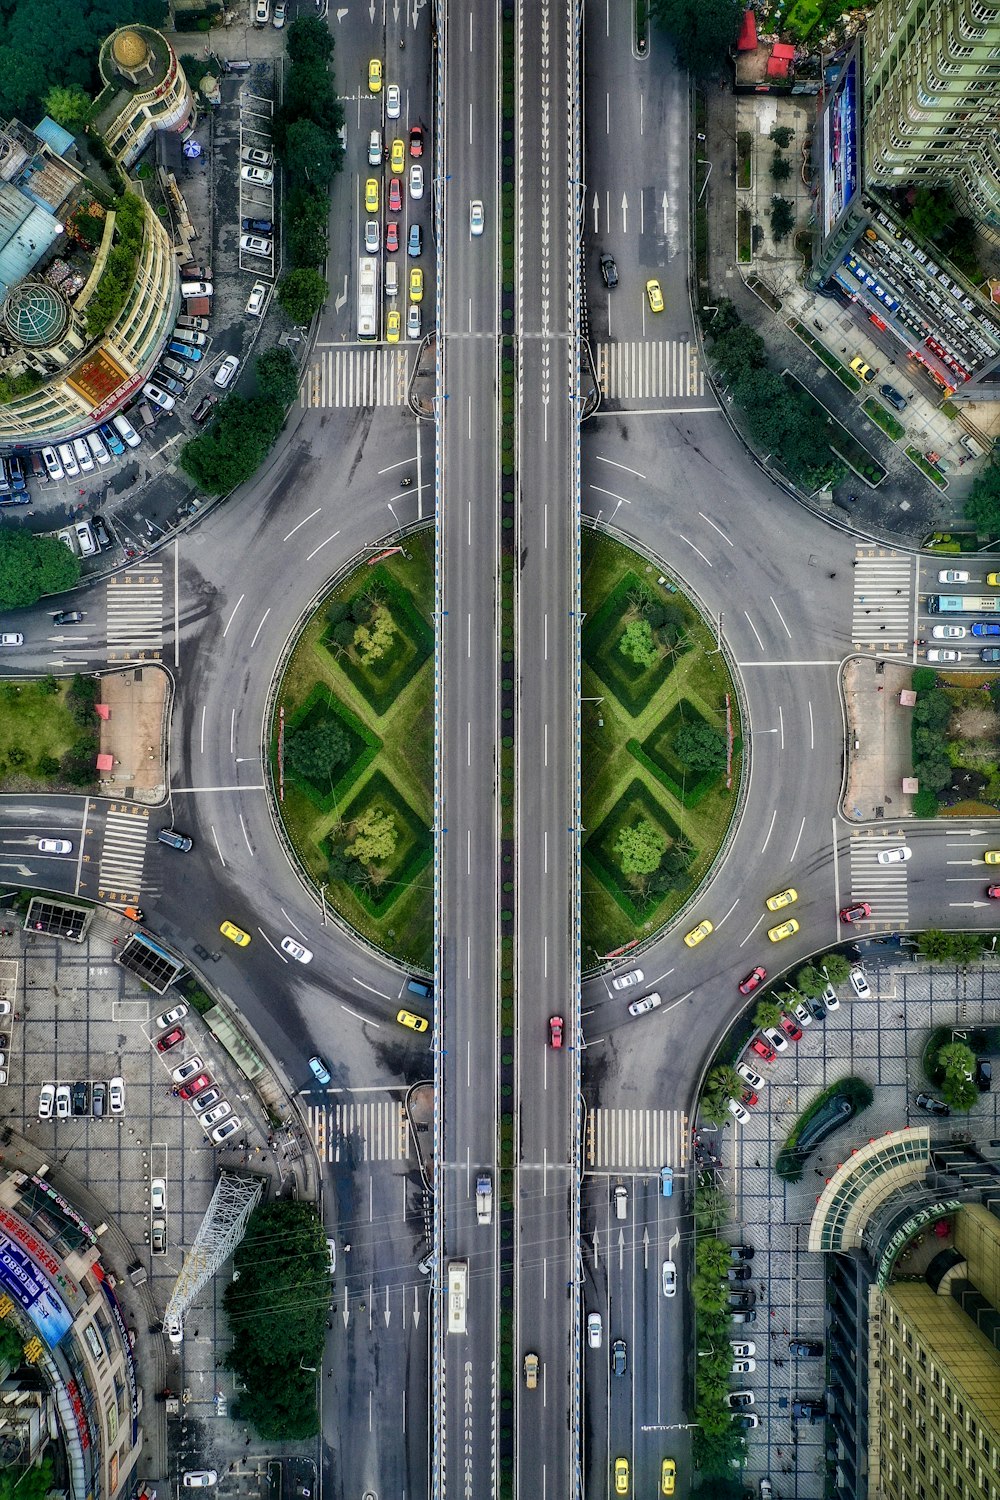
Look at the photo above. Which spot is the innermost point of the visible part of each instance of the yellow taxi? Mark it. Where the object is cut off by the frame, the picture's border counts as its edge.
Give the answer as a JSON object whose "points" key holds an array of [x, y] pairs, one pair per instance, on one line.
{"points": [[397, 157], [785, 929], [655, 295], [392, 323], [531, 1371], [416, 284], [992, 857], [782, 898], [863, 371], [621, 1476], [375, 76], [698, 934], [993, 579], [371, 195], [668, 1476], [235, 934], [415, 1023]]}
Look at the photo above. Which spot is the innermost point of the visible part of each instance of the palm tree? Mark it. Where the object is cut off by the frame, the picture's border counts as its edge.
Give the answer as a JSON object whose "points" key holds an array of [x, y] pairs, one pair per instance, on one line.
{"points": [[836, 966], [712, 1256], [809, 981], [766, 1013]]}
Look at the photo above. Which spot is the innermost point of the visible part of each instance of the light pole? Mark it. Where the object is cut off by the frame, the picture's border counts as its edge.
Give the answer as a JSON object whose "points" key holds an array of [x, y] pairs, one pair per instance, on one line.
{"points": [[703, 163], [394, 516]]}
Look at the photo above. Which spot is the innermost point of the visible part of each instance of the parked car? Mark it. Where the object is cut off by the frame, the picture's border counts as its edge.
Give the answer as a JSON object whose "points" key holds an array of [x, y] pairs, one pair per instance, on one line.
{"points": [[761, 1049], [932, 1106], [805, 1348], [255, 244], [116, 1096], [256, 299], [226, 371], [775, 1038], [741, 1252], [736, 1109], [168, 1017], [859, 984], [170, 1039], [748, 1074]]}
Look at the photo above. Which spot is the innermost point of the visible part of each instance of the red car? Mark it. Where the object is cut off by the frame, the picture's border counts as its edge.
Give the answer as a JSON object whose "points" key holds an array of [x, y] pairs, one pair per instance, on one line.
{"points": [[855, 913], [392, 237], [753, 979], [762, 1050], [170, 1039], [993, 891], [749, 1098], [789, 1027], [195, 1086], [555, 1031], [395, 196], [416, 140]]}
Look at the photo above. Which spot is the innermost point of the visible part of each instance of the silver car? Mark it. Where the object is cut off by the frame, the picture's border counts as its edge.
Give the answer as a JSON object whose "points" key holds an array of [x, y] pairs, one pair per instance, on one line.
{"points": [[627, 980], [669, 1276]]}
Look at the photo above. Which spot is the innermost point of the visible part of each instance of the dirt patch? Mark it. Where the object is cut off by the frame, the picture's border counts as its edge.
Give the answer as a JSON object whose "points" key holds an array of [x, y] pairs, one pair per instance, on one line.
{"points": [[979, 722]]}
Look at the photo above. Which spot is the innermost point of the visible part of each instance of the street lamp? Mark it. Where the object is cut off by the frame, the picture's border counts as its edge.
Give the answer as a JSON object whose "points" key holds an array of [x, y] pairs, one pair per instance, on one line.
{"points": [[311, 1368]]}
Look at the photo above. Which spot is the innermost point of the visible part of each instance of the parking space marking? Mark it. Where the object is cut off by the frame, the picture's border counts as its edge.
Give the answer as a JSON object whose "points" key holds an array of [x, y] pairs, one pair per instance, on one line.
{"points": [[352, 1133], [636, 1139]]}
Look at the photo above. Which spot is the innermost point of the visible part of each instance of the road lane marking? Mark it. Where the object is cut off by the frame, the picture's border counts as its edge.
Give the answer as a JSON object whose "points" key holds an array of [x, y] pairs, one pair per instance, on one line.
{"points": [[781, 617], [312, 554], [218, 850], [753, 929], [795, 851], [246, 836], [370, 987], [754, 629], [260, 627], [267, 940], [232, 617], [719, 529], [770, 831], [624, 467], [294, 529], [700, 554]]}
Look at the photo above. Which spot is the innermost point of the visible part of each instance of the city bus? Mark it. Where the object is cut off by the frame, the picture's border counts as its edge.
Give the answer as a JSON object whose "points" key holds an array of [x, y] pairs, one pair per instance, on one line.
{"points": [[367, 298], [458, 1282], [963, 604]]}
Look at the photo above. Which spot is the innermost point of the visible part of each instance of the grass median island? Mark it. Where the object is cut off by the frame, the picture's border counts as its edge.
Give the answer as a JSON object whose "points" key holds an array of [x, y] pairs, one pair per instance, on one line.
{"points": [[48, 734], [358, 752], [656, 805]]}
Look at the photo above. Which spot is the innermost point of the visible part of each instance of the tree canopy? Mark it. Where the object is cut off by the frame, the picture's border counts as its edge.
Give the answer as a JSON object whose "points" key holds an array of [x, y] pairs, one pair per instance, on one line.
{"points": [[49, 42], [31, 566], [702, 31], [700, 746], [637, 643], [374, 836], [277, 1313], [302, 294], [639, 848], [315, 751], [27, 1484], [982, 507]]}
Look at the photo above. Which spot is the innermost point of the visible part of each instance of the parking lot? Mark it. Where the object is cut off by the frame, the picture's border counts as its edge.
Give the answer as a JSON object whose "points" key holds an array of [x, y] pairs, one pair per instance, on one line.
{"points": [[880, 1040]]}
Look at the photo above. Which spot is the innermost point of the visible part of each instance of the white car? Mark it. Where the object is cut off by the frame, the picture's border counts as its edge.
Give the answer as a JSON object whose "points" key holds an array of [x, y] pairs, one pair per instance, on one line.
{"points": [[46, 1101], [12, 638], [595, 1330], [222, 1132], [754, 1079], [860, 985], [205, 1100], [279, 15], [669, 1277], [416, 180], [953, 575], [627, 980], [217, 1113], [255, 244], [64, 1107], [776, 1038], [5, 1007], [177, 1013], [187, 1069], [648, 1002], [158, 1195], [55, 846], [199, 1479], [477, 217], [295, 950], [174, 1329], [227, 369], [392, 101], [949, 632], [331, 1254], [413, 321], [116, 1095], [256, 300], [262, 13], [50, 459], [160, 398], [736, 1109], [743, 1367], [802, 1013], [262, 176], [742, 1348], [372, 236], [829, 998], [894, 856], [935, 654]]}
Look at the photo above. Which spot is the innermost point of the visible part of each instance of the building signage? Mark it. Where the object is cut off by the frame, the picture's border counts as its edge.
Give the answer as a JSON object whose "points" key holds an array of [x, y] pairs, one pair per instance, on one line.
{"points": [[40, 1252], [41, 1186], [133, 1384], [44, 1307]]}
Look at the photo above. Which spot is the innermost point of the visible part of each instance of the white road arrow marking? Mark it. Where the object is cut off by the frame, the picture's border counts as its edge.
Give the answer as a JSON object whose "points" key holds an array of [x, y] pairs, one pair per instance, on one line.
{"points": [[624, 213], [664, 213], [968, 903], [340, 300], [645, 1249]]}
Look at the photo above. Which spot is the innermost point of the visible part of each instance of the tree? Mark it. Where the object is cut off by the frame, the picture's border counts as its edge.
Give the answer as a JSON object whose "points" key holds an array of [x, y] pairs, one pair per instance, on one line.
{"points": [[956, 1059], [781, 167], [933, 212], [702, 31], [700, 747], [711, 1208], [302, 294], [236, 444], [79, 764], [374, 836], [31, 566], [836, 966], [934, 945], [708, 1291], [373, 640], [925, 804], [308, 38], [966, 947], [982, 507], [69, 107], [810, 982], [739, 349], [712, 1254], [640, 848], [959, 1093], [782, 135], [309, 151], [638, 645], [278, 376], [277, 1313], [766, 1013], [315, 751], [33, 1483], [782, 216]]}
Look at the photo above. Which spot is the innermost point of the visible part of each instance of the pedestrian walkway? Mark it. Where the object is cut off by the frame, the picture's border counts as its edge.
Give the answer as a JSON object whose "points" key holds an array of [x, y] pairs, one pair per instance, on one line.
{"points": [[353, 1133], [123, 853], [356, 377], [627, 1140], [647, 370], [883, 600], [884, 887], [135, 613]]}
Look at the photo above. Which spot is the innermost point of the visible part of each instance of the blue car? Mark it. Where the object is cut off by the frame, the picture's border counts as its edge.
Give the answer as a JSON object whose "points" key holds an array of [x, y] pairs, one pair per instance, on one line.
{"points": [[112, 439], [186, 351], [985, 627], [667, 1181]]}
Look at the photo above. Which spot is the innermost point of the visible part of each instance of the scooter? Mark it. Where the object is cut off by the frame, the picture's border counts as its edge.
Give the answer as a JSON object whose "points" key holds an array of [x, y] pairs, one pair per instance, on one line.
{"points": [[405, 483]]}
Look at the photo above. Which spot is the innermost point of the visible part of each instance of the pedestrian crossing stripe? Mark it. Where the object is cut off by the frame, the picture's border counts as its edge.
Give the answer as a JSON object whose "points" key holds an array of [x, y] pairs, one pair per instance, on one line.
{"points": [[652, 369], [351, 1133], [628, 1140], [884, 887], [356, 377], [123, 854], [882, 610], [135, 613]]}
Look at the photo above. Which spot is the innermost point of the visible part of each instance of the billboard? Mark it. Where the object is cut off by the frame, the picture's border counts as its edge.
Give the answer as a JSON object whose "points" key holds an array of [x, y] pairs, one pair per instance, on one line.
{"points": [[841, 144], [44, 1307]]}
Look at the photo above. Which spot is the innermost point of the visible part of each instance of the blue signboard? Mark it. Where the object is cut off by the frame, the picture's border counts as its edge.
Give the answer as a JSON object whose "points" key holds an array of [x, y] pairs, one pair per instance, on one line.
{"points": [[44, 1307]]}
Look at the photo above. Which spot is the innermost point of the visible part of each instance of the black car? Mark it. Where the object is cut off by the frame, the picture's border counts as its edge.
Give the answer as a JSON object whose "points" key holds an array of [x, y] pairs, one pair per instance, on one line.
{"points": [[203, 410], [258, 226], [742, 1300], [81, 1098], [174, 839], [931, 1105], [984, 1069], [740, 1273], [989, 653], [68, 617], [15, 468], [895, 398], [609, 271], [808, 1411], [619, 1357], [818, 1009], [101, 531], [805, 1348], [741, 1252]]}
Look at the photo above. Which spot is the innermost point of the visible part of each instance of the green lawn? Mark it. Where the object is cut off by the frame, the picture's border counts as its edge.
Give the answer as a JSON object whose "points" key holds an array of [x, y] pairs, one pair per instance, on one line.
{"points": [[627, 767], [35, 723], [386, 711]]}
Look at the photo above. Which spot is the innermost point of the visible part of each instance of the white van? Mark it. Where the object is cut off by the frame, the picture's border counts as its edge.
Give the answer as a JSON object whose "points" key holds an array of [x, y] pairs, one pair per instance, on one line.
{"points": [[391, 278], [125, 430], [621, 1201]]}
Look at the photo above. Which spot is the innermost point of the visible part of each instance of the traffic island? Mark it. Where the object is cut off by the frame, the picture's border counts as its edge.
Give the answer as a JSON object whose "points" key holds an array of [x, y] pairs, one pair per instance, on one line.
{"points": [[879, 756]]}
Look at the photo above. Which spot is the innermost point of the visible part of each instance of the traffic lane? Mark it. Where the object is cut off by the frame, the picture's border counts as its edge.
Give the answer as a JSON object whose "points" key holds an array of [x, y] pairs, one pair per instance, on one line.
{"points": [[24, 824], [659, 1331], [78, 647], [595, 1214]]}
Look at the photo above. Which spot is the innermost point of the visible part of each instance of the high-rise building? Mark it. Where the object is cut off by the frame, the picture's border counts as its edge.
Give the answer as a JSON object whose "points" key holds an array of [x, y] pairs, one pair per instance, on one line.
{"points": [[932, 99]]}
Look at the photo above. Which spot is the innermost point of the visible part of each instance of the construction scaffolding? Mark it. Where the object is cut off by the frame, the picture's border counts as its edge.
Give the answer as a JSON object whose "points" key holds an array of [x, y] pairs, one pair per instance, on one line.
{"points": [[220, 1231]]}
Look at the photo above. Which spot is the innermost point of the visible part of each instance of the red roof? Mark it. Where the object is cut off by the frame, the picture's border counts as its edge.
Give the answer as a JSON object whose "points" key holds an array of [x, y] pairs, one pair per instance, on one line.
{"points": [[780, 60], [748, 34]]}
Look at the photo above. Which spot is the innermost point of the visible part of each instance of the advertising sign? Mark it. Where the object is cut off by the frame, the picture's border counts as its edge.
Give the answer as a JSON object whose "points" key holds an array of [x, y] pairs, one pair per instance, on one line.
{"points": [[44, 1307], [841, 145]]}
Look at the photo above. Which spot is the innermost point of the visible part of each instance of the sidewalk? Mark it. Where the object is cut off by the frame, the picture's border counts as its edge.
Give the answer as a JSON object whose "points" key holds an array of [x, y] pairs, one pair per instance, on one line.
{"points": [[878, 739]]}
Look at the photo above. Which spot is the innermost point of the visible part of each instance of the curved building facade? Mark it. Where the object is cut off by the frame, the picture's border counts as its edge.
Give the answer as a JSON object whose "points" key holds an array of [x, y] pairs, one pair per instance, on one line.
{"points": [[145, 90]]}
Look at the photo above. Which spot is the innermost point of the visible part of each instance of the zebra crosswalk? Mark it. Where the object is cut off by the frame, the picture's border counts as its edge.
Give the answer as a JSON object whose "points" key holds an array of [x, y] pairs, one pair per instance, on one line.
{"points": [[637, 369], [882, 614], [123, 853], [624, 1140], [375, 1130], [357, 377], [135, 613], [884, 887]]}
